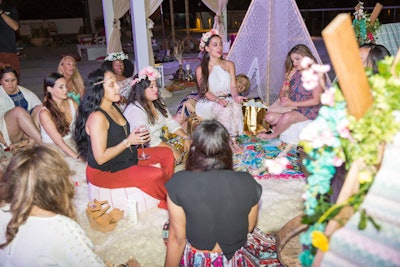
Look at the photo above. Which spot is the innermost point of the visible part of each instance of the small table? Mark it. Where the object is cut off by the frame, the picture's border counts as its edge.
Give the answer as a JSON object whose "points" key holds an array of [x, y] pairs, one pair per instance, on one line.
{"points": [[93, 51]]}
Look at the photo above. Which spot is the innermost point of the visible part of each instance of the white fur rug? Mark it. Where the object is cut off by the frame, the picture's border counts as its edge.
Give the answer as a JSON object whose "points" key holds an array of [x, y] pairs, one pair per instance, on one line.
{"points": [[280, 202]]}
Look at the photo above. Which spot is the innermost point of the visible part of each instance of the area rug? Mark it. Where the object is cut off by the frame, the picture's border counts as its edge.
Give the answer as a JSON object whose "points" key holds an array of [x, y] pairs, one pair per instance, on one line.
{"points": [[280, 202], [251, 151]]}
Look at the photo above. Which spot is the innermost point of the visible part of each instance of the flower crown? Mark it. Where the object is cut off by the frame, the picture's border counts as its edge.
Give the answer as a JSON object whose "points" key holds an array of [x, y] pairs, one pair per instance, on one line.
{"points": [[116, 56], [148, 72], [205, 37]]}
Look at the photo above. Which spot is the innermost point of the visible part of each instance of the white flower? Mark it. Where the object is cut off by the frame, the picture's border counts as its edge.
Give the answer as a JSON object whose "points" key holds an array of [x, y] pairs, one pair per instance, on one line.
{"points": [[116, 56]]}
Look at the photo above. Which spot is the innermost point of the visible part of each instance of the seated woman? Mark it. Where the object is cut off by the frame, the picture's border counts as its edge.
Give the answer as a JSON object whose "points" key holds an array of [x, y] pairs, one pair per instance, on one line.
{"points": [[146, 108], [16, 104], [188, 104], [75, 85], [215, 76], [217, 229], [305, 103], [372, 53], [123, 70], [37, 215], [105, 141], [57, 115]]}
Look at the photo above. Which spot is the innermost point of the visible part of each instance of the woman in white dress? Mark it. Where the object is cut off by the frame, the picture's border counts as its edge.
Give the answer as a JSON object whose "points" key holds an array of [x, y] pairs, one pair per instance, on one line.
{"points": [[57, 115], [216, 79]]}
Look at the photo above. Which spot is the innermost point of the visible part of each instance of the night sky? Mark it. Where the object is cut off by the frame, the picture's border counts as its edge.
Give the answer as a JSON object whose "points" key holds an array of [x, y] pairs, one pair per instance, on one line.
{"points": [[51, 9]]}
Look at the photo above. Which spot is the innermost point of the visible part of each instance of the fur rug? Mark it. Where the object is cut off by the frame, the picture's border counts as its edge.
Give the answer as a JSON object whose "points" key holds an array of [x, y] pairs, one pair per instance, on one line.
{"points": [[280, 202]]}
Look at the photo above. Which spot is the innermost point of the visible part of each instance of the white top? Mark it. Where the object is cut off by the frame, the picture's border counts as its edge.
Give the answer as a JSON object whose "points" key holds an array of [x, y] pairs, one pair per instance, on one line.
{"points": [[6, 103], [46, 138], [47, 241], [137, 116]]}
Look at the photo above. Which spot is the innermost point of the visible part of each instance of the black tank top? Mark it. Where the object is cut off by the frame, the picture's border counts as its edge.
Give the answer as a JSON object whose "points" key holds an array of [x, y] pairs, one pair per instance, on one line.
{"points": [[115, 135]]}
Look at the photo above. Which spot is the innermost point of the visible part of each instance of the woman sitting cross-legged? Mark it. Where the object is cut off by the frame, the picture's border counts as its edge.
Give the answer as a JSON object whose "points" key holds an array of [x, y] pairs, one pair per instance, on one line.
{"points": [[57, 115], [303, 104], [16, 104], [104, 139], [146, 108], [211, 207]]}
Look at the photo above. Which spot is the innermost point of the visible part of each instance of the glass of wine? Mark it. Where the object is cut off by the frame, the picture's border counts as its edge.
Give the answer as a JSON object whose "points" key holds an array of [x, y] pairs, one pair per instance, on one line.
{"points": [[143, 155]]}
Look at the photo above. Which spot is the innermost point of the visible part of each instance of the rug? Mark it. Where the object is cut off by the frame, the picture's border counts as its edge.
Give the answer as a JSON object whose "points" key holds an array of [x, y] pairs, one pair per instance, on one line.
{"points": [[250, 152], [280, 202]]}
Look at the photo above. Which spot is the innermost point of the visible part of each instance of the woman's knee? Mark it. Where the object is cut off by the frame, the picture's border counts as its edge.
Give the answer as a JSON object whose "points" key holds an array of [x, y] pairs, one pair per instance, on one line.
{"points": [[16, 113]]}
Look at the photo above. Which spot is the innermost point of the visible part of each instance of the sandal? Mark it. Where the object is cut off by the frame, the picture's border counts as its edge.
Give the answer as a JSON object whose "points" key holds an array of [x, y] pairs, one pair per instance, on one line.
{"points": [[99, 219]]}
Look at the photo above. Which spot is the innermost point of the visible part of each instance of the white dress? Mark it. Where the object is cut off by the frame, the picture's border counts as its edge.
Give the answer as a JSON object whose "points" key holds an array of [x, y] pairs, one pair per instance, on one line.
{"points": [[67, 138], [230, 116], [47, 241], [136, 116]]}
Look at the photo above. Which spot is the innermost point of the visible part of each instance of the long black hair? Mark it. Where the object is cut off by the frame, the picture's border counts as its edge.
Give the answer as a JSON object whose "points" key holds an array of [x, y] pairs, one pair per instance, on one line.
{"points": [[137, 93], [210, 149], [89, 104]]}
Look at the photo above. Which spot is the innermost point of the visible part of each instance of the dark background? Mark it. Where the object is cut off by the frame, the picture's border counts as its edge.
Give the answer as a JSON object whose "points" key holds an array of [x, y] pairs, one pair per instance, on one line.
{"points": [[53, 9]]}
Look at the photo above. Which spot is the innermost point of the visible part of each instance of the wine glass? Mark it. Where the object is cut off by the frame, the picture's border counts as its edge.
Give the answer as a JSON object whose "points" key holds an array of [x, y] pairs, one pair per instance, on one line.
{"points": [[143, 155]]}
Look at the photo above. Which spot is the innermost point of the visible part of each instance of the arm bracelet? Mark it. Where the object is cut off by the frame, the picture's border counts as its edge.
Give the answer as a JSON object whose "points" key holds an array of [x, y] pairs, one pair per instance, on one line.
{"points": [[126, 143]]}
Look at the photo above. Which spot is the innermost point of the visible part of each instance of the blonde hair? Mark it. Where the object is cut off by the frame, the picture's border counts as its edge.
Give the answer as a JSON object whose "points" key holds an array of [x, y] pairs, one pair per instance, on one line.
{"points": [[247, 87], [76, 78], [36, 177]]}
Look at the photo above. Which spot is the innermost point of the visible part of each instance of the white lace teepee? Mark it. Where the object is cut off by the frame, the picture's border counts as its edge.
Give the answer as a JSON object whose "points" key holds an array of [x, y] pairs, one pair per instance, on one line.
{"points": [[269, 30]]}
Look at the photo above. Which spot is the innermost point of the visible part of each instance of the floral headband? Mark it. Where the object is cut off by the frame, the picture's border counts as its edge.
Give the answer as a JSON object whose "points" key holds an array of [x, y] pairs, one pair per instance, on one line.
{"points": [[148, 72], [116, 56], [205, 37]]}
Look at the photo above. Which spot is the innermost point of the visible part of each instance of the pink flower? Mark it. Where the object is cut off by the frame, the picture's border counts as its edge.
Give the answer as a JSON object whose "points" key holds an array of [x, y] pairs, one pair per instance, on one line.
{"points": [[277, 165], [328, 97], [310, 79], [343, 128], [306, 62], [370, 36]]}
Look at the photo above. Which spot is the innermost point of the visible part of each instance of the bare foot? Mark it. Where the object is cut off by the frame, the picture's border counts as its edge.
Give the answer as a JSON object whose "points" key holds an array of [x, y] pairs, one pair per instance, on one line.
{"points": [[266, 136]]}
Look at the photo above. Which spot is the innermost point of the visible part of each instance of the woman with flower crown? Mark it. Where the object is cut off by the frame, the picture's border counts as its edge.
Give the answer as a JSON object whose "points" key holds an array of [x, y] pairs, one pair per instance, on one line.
{"points": [[216, 79], [144, 107], [105, 141], [122, 67]]}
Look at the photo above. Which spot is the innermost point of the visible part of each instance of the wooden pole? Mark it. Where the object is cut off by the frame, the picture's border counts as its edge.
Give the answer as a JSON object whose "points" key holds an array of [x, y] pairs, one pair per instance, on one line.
{"points": [[344, 53], [171, 12], [375, 13]]}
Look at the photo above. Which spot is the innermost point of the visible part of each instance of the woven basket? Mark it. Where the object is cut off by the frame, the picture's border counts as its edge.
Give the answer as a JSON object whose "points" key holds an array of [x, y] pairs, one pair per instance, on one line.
{"points": [[288, 246]]}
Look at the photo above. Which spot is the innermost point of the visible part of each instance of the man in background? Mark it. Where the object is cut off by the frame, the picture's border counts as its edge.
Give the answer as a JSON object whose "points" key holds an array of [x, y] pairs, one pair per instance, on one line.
{"points": [[9, 24]]}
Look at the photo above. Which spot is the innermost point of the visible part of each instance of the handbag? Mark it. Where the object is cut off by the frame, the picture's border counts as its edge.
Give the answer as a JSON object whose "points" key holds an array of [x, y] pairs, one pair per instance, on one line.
{"points": [[253, 117]]}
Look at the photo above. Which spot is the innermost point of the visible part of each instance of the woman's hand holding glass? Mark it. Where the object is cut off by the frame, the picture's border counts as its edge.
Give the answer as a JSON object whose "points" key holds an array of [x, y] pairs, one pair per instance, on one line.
{"points": [[143, 136]]}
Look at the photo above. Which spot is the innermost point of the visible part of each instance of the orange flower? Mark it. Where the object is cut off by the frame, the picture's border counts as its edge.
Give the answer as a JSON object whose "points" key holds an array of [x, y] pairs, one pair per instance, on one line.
{"points": [[319, 240]]}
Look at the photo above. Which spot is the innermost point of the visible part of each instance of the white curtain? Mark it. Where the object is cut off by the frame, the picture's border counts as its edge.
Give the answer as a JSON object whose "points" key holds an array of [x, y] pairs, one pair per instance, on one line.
{"points": [[151, 7], [114, 43], [218, 8]]}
